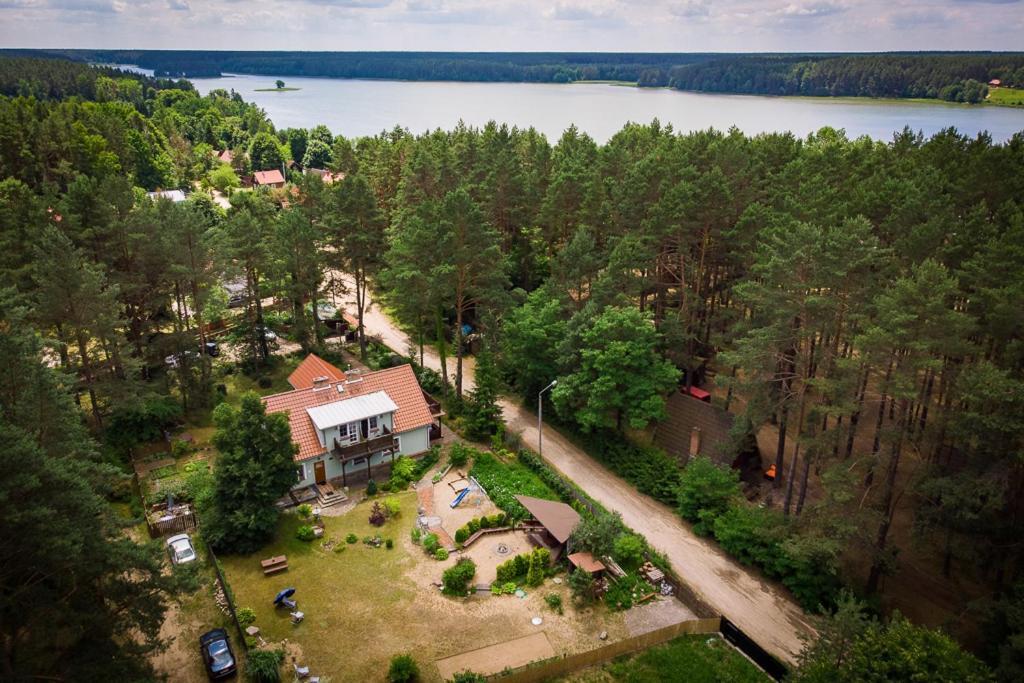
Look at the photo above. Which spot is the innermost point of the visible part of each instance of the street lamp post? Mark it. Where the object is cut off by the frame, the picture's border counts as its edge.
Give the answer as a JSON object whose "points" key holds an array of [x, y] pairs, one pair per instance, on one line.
{"points": [[540, 417]]}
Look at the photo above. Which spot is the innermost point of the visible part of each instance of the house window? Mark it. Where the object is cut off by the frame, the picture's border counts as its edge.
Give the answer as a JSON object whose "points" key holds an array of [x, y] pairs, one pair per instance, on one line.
{"points": [[300, 472], [398, 448], [358, 461], [342, 431], [373, 422]]}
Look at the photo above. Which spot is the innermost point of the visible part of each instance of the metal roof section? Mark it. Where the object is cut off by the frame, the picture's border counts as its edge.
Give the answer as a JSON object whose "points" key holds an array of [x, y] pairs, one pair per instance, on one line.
{"points": [[351, 410]]}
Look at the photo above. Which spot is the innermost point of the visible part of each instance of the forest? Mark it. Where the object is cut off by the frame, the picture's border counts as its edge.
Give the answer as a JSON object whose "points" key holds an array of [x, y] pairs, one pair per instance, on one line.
{"points": [[957, 77], [859, 300]]}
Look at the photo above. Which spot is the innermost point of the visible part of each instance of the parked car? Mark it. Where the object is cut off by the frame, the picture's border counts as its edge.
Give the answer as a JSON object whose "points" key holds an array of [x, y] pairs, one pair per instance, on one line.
{"points": [[217, 654], [180, 549], [212, 349], [268, 333]]}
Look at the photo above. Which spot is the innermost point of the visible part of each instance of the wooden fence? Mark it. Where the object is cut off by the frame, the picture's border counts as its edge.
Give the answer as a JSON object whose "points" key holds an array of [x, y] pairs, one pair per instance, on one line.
{"points": [[180, 523], [567, 664]]}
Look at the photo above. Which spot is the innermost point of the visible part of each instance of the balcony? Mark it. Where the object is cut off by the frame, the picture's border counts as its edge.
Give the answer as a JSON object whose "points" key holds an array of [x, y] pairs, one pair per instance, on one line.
{"points": [[349, 451]]}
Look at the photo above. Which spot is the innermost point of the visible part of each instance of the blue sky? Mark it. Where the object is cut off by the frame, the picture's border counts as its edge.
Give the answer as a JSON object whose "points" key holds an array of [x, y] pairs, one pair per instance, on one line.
{"points": [[573, 25]]}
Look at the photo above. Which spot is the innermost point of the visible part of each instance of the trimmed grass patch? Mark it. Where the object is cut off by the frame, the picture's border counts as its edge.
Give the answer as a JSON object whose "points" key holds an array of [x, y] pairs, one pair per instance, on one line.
{"points": [[697, 659], [1006, 97]]}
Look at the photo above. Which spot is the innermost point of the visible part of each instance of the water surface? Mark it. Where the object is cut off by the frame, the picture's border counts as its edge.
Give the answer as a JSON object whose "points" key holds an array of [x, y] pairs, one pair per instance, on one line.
{"points": [[366, 107]]}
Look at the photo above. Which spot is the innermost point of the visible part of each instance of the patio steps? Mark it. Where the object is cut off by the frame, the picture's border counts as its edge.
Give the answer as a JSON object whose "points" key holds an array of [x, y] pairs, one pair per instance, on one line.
{"points": [[327, 499]]}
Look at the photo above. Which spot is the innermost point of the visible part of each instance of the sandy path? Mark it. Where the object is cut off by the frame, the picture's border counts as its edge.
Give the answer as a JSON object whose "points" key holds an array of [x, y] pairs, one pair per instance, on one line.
{"points": [[761, 608], [494, 658]]}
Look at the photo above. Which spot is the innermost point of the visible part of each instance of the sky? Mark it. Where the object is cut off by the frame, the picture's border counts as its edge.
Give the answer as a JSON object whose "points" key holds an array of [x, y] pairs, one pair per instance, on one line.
{"points": [[526, 25]]}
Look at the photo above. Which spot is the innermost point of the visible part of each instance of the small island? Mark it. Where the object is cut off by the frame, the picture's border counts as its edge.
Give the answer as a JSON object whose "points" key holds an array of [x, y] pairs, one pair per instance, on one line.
{"points": [[280, 87]]}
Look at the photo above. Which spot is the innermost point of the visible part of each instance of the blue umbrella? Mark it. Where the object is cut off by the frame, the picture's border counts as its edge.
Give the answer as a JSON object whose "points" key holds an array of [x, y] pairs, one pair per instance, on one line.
{"points": [[286, 593]]}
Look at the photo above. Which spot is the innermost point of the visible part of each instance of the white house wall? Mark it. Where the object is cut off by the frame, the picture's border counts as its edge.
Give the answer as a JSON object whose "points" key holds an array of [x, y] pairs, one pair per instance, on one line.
{"points": [[413, 442]]}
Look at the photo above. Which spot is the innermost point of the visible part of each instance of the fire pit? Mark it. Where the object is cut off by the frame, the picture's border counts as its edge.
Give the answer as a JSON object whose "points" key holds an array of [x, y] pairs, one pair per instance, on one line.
{"points": [[502, 549]]}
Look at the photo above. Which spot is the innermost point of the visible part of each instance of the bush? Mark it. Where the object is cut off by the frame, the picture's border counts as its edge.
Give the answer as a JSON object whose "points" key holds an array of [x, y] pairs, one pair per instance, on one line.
{"points": [[461, 534], [597, 534], [305, 511], [264, 666], [497, 520], [651, 470], [187, 577], [535, 570], [473, 525], [456, 579], [753, 536], [351, 538], [403, 471], [484, 522], [622, 594], [467, 677], [371, 488], [514, 568], [428, 460], [415, 535], [392, 507], [377, 516], [459, 454], [705, 492], [389, 544], [581, 584], [246, 616], [339, 548], [554, 601], [629, 550], [305, 533], [430, 543], [265, 382], [403, 669], [441, 554]]}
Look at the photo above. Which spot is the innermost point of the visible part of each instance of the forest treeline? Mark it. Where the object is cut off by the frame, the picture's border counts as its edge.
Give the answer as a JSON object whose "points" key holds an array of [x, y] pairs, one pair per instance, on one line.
{"points": [[957, 77], [863, 299]]}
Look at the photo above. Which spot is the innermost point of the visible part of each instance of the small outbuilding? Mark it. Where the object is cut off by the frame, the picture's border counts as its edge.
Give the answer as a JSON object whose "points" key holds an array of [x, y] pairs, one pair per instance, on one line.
{"points": [[587, 563], [174, 196], [552, 523], [268, 178]]}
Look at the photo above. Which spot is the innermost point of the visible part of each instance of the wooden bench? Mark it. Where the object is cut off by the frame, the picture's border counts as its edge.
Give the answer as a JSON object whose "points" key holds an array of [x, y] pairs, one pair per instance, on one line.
{"points": [[274, 564]]}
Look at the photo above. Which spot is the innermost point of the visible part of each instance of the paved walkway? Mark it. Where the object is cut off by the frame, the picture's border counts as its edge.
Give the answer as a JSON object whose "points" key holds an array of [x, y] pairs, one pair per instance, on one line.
{"points": [[764, 610]]}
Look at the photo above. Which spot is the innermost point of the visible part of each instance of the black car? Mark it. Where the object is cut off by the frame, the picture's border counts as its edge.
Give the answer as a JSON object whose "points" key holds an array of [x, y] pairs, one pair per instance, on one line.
{"points": [[212, 349], [217, 654]]}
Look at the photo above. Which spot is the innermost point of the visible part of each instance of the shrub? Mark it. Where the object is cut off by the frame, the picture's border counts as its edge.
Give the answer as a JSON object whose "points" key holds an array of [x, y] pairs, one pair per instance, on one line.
{"points": [[305, 533], [389, 544], [392, 507], [581, 584], [497, 520], [554, 601], [629, 550], [622, 594], [415, 535], [305, 511], [403, 471], [428, 460], [705, 492], [403, 669], [504, 481], [514, 568], [459, 454], [371, 488], [377, 516], [246, 616], [265, 382], [264, 666], [339, 548], [441, 554], [461, 534], [385, 487], [351, 538], [187, 577], [467, 677], [650, 469], [430, 543], [535, 571], [179, 448], [484, 522], [456, 579], [596, 534], [753, 536], [473, 525]]}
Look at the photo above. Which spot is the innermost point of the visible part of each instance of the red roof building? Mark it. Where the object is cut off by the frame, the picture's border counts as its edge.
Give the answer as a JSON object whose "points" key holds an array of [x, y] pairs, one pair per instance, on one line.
{"points": [[225, 156], [268, 178], [348, 424]]}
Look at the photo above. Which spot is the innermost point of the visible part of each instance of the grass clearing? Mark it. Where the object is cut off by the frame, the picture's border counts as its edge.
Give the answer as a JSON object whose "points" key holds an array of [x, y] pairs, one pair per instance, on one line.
{"points": [[1006, 97], [704, 659], [379, 602]]}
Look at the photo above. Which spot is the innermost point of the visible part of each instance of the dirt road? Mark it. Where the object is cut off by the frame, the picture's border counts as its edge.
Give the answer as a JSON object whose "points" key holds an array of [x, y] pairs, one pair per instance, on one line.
{"points": [[761, 608]]}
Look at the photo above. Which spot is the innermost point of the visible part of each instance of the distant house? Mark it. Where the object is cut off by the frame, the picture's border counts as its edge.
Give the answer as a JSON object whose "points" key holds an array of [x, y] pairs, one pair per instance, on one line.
{"points": [[995, 83], [350, 426], [696, 427], [226, 156], [268, 179], [173, 195], [329, 177]]}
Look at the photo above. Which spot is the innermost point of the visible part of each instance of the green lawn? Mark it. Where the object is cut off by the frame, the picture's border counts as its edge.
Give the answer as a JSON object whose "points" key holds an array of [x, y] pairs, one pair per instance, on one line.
{"points": [[1006, 97], [357, 602], [695, 659]]}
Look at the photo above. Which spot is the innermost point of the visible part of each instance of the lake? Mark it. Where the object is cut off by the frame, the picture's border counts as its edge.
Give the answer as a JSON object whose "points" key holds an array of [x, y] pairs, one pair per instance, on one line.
{"points": [[366, 107]]}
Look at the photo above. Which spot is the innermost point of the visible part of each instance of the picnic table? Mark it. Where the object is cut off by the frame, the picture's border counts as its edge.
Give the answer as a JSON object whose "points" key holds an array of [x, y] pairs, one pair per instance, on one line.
{"points": [[275, 564]]}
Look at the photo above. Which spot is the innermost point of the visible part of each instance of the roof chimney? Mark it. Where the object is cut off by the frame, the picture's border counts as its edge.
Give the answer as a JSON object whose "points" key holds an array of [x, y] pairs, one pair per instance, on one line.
{"points": [[695, 442], [320, 382]]}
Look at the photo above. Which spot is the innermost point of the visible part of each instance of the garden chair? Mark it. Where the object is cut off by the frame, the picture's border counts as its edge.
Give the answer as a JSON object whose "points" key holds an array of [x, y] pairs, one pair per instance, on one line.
{"points": [[297, 617], [301, 671], [290, 604]]}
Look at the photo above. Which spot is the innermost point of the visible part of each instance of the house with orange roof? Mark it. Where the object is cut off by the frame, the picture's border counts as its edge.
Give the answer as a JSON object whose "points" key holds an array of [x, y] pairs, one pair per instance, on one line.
{"points": [[272, 178], [350, 426]]}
